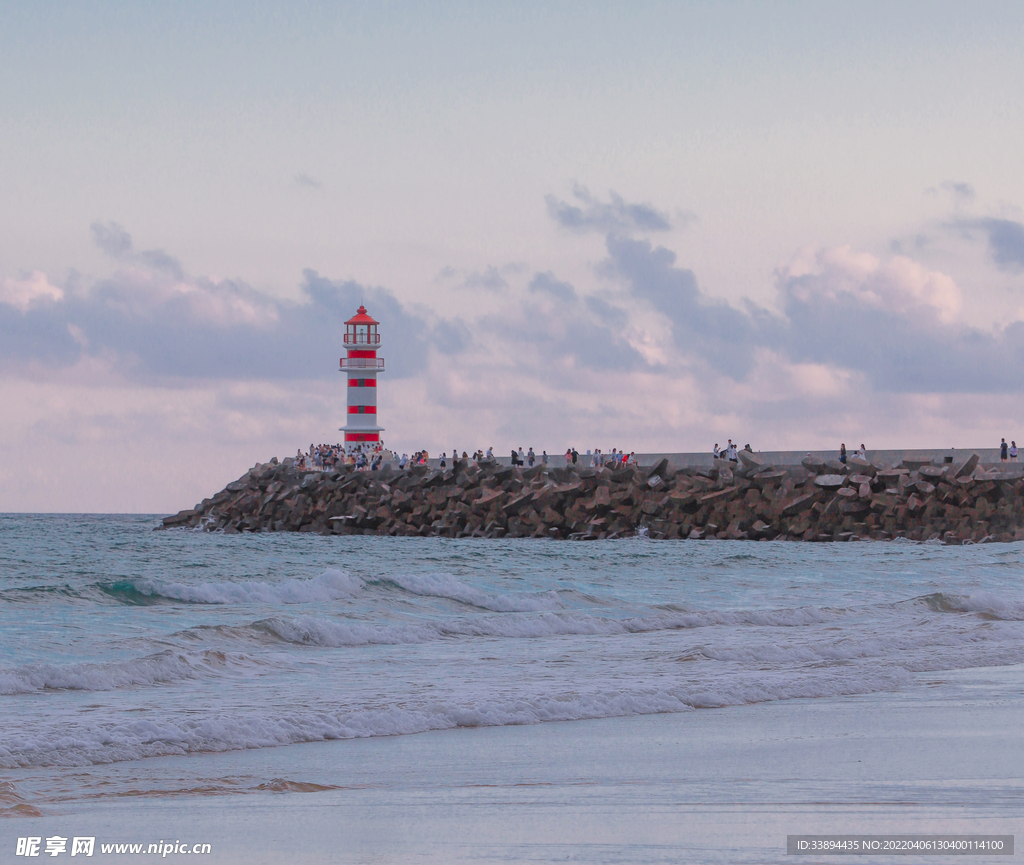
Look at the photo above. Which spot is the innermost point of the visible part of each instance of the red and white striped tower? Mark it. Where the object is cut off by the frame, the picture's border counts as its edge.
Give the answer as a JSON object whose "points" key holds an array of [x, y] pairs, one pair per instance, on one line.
{"points": [[362, 366]]}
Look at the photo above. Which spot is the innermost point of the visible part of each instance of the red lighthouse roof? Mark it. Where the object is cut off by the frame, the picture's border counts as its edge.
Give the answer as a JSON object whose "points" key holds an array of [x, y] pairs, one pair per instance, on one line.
{"points": [[361, 317]]}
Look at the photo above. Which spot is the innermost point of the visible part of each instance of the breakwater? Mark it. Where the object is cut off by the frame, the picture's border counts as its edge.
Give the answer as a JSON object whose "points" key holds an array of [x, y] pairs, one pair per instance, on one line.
{"points": [[818, 500]]}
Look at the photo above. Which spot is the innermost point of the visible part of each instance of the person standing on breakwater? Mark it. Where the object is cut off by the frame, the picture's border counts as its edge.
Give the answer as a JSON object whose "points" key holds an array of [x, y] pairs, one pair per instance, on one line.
{"points": [[1004, 451], [544, 458], [715, 455], [842, 453], [863, 452], [531, 457], [1013, 452], [575, 456]]}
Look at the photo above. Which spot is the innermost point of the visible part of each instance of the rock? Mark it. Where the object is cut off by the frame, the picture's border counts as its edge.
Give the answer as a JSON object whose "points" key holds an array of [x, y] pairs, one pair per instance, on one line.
{"points": [[800, 503], [769, 478], [179, 518], [890, 477], [861, 466], [855, 507], [829, 482], [517, 504], [968, 467], [659, 469], [836, 467], [751, 460], [494, 501], [813, 464], [721, 496]]}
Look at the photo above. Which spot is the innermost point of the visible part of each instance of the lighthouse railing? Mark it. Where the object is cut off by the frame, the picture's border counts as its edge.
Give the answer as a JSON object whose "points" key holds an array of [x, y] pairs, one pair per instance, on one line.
{"points": [[376, 363], [362, 339]]}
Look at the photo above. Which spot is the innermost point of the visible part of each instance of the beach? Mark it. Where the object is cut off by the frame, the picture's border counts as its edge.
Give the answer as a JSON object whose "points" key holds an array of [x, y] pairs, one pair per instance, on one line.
{"points": [[721, 785], [299, 698]]}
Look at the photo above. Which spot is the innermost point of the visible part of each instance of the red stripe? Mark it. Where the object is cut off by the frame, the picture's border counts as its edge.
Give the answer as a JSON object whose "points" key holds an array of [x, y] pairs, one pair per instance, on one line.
{"points": [[369, 382], [359, 353], [366, 409]]}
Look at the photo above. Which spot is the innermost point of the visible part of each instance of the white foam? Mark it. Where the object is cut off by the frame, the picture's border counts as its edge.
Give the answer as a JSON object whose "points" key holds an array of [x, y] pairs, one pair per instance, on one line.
{"points": [[160, 668], [76, 744], [988, 603], [331, 585], [447, 586], [336, 633], [311, 631]]}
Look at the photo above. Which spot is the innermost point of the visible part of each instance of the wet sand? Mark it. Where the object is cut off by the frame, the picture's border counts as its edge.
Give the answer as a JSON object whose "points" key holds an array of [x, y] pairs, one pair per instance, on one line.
{"points": [[712, 785]]}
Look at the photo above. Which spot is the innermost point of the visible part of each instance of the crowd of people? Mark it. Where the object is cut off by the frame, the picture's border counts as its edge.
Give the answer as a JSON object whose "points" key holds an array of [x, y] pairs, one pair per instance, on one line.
{"points": [[324, 457], [731, 451], [370, 457]]}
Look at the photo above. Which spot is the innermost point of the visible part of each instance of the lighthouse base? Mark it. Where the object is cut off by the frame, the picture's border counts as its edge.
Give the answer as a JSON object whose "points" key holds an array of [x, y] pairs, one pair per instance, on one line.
{"points": [[359, 438]]}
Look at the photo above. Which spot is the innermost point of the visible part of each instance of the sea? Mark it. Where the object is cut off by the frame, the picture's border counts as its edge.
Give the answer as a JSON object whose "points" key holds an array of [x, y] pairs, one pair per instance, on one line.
{"points": [[502, 700]]}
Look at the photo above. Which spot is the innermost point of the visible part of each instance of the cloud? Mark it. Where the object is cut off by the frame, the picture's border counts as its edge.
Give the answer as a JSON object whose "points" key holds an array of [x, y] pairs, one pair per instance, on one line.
{"points": [[112, 239], [899, 286], [489, 279], [117, 243], [148, 368], [961, 192], [308, 182], [893, 322], [617, 215], [152, 326], [707, 331], [31, 291], [1005, 242], [555, 331], [451, 337], [547, 284]]}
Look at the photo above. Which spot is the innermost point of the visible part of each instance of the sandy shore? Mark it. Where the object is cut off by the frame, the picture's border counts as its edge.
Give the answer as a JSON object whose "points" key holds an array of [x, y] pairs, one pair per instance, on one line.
{"points": [[722, 785]]}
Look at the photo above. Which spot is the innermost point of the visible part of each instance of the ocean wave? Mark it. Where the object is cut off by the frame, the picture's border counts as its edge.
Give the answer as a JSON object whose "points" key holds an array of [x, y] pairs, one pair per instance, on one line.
{"points": [[986, 604], [446, 586], [160, 668], [79, 744], [338, 633], [331, 585]]}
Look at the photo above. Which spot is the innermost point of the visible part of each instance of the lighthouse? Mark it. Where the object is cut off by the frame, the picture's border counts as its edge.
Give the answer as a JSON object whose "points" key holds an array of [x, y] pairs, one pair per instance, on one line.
{"points": [[361, 366]]}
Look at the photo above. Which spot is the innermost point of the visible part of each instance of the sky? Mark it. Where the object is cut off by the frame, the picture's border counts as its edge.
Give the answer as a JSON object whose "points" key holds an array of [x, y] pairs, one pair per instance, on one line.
{"points": [[650, 226]]}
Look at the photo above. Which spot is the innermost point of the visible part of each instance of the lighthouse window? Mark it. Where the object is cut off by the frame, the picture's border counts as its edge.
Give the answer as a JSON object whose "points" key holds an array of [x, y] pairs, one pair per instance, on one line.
{"points": [[362, 383]]}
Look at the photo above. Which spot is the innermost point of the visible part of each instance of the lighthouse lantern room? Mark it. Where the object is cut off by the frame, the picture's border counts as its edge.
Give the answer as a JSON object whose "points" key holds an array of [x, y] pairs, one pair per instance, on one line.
{"points": [[361, 366]]}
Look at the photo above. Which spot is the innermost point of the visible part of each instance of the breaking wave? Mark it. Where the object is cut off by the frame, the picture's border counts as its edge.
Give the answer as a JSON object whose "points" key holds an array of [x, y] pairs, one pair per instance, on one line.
{"points": [[156, 669], [447, 586], [85, 744], [331, 585]]}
